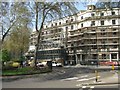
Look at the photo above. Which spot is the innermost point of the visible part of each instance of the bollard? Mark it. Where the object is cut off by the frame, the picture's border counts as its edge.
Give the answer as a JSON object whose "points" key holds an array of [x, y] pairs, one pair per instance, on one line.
{"points": [[113, 68], [96, 73]]}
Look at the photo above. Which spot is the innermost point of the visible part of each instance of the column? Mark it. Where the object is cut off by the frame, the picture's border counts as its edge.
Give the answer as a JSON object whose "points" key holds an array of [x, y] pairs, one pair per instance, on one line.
{"points": [[110, 57], [80, 57], [117, 56]]}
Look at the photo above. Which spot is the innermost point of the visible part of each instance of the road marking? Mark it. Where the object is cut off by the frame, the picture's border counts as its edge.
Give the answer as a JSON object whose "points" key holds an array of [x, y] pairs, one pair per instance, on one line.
{"points": [[84, 86], [78, 85], [84, 79], [84, 76], [74, 78], [67, 79], [92, 87], [98, 82]]}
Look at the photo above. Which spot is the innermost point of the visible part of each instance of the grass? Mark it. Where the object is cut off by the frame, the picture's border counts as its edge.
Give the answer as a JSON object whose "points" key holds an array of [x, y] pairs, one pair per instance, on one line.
{"points": [[24, 71]]}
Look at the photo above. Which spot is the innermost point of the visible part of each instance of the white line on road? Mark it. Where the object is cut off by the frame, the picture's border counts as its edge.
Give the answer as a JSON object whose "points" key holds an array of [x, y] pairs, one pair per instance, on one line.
{"points": [[84, 76], [92, 87], [84, 86], [73, 78], [78, 85], [84, 79]]}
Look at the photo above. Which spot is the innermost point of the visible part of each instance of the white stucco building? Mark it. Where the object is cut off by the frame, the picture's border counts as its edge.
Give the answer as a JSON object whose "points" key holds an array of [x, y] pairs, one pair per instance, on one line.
{"points": [[90, 34]]}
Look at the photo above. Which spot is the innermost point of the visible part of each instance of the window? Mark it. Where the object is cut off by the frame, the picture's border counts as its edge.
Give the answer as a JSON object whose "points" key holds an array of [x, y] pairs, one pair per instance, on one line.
{"points": [[103, 42], [55, 24], [113, 22], [71, 20], [93, 30], [42, 33], [103, 34], [92, 14], [92, 23], [102, 22], [51, 25], [66, 21], [114, 33], [66, 28], [103, 30], [93, 34], [103, 56], [59, 30], [114, 56], [104, 46], [82, 35], [113, 13], [71, 26], [81, 17], [72, 33], [114, 29], [59, 23], [115, 46], [51, 31], [101, 14], [82, 25], [114, 41]]}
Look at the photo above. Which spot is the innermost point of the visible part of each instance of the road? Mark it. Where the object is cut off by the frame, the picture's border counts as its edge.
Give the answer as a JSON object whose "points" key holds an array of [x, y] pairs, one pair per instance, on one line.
{"points": [[60, 78]]}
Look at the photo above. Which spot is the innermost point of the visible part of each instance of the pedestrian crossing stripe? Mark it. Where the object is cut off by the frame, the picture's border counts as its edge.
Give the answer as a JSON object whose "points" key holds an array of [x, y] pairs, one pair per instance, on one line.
{"points": [[88, 87], [84, 86], [92, 87]]}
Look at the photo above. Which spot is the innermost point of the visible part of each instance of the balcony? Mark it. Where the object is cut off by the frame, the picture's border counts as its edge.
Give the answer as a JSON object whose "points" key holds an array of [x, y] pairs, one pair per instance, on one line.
{"points": [[113, 49], [73, 35]]}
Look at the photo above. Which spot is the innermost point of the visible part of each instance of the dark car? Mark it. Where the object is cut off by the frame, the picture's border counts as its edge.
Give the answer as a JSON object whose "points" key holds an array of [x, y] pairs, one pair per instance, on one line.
{"points": [[92, 62]]}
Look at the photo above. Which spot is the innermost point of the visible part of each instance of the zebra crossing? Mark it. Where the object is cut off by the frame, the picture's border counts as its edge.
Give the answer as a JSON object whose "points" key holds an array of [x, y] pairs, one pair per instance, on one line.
{"points": [[81, 81]]}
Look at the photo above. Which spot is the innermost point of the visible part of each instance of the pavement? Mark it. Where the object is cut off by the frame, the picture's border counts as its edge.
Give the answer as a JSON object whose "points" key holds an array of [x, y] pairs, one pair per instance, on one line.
{"points": [[94, 67], [110, 81], [113, 79]]}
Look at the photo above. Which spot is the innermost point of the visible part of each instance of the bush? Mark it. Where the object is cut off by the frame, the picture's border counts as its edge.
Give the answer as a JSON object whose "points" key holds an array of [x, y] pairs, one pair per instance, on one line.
{"points": [[25, 71]]}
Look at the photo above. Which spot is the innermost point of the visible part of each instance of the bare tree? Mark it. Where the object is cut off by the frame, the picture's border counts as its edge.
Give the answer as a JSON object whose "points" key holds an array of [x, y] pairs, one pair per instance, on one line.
{"points": [[11, 13], [43, 11]]}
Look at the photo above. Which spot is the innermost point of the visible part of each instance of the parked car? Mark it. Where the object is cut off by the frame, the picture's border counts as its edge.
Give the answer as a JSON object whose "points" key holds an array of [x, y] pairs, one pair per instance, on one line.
{"points": [[56, 64], [40, 64], [15, 64]]}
